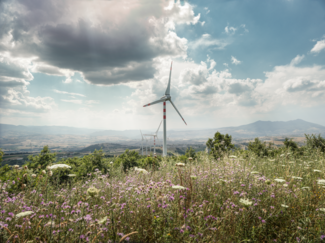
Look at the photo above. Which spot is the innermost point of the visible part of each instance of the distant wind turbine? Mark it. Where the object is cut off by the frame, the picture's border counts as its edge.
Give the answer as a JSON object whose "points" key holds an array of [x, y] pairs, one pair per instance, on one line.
{"points": [[155, 135], [163, 99], [142, 141]]}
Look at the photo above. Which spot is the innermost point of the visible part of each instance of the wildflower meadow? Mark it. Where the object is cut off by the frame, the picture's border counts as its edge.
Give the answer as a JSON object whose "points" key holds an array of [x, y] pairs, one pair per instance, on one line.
{"points": [[238, 197]]}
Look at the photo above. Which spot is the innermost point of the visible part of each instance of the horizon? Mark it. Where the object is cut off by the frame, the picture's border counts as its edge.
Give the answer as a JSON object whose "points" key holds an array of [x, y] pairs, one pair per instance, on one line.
{"points": [[95, 64], [169, 129]]}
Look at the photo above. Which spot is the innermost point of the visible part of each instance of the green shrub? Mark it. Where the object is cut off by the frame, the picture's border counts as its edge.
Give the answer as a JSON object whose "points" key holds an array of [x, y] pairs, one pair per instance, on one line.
{"points": [[291, 145], [128, 159], [41, 161], [219, 144], [258, 148], [314, 142]]}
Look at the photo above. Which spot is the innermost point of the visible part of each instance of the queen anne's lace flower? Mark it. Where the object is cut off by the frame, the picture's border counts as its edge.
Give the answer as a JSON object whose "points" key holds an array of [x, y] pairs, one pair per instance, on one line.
{"points": [[321, 182], [102, 221], [297, 177], [245, 202], [92, 191], [255, 172], [53, 167], [179, 187], [285, 206], [180, 164], [141, 170], [24, 214], [279, 180]]}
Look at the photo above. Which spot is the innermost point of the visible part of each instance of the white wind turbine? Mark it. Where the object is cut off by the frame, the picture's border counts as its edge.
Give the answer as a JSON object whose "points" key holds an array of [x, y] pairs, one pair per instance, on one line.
{"points": [[155, 135], [163, 99], [142, 141]]}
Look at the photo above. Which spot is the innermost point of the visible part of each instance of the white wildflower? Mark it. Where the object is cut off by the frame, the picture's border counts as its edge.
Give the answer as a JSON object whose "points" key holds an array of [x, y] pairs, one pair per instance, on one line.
{"points": [[193, 177], [245, 202], [141, 170], [282, 155], [232, 156], [306, 187], [179, 187], [16, 166], [285, 185], [321, 182], [255, 172], [279, 180], [318, 171], [180, 164], [297, 177], [33, 175], [322, 209], [72, 175], [92, 191], [102, 221], [285, 206], [56, 166], [24, 214]]}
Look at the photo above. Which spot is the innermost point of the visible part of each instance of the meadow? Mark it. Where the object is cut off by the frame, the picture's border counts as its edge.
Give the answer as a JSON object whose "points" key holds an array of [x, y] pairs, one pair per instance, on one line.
{"points": [[239, 197]]}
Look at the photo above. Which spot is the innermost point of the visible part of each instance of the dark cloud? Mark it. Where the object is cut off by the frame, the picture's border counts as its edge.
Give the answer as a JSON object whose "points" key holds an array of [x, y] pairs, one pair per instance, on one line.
{"points": [[96, 47], [238, 88]]}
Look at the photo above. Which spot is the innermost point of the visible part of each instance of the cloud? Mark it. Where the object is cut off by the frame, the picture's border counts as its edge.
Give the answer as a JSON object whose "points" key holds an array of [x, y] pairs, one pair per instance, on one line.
{"points": [[320, 45], [230, 30], [116, 38], [89, 102], [68, 93], [206, 41], [73, 101], [235, 61], [296, 60]]}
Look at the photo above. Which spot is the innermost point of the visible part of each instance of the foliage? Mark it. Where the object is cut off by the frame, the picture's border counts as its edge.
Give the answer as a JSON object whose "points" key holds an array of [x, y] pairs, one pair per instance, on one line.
{"points": [[41, 161], [289, 144], [149, 162], [259, 148], [190, 152], [128, 160], [1, 155], [314, 142], [236, 199], [219, 144]]}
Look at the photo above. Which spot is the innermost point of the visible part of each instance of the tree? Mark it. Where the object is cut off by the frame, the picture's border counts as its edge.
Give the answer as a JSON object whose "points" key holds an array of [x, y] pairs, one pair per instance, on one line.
{"points": [[128, 159], [289, 144], [190, 152], [41, 161], [258, 148], [314, 142], [219, 144], [1, 154]]}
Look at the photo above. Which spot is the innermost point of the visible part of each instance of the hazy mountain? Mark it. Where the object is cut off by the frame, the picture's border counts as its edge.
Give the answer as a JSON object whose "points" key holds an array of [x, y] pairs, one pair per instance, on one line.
{"points": [[13, 130], [107, 147], [257, 129]]}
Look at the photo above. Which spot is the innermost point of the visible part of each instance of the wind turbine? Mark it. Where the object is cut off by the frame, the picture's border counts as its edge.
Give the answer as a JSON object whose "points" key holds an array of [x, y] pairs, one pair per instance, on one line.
{"points": [[163, 99], [155, 135], [142, 141]]}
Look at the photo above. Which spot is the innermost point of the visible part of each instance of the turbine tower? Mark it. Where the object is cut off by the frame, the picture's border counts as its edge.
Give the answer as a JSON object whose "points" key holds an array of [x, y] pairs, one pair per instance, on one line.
{"points": [[141, 142], [163, 99], [155, 135]]}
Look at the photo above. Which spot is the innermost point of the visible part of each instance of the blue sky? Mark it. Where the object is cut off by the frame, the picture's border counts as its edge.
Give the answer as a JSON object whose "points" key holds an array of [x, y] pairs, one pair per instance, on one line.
{"points": [[94, 64]]}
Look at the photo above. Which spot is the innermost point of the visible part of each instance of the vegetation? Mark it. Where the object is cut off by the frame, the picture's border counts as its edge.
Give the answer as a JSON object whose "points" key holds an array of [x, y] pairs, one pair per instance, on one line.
{"points": [[226, 196], [219, 144]]}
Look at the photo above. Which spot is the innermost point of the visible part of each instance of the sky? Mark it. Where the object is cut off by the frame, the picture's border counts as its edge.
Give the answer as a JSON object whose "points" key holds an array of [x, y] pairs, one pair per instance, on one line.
{"points": [[96, 63]]}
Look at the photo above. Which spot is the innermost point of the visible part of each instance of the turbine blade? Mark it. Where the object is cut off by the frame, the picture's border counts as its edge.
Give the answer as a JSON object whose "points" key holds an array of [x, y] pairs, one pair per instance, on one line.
{"points": [[155, 102], [170, 75], [158, 127], [177, 111], [141, 134]]}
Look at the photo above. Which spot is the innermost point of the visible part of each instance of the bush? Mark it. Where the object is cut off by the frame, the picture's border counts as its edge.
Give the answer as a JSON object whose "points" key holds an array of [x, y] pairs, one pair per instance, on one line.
{"points": [[314, 142], [128, 159], [219, 144], [258, 148], [289, 144], [41, 161]]}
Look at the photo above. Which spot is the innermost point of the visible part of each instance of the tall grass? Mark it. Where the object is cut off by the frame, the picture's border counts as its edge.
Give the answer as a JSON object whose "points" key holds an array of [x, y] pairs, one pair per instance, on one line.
{"points": [[231, 199]]}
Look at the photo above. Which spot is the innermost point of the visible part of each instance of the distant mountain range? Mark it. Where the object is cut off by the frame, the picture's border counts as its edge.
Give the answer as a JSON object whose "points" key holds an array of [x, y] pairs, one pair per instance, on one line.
{"points": [[257, 129]]}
